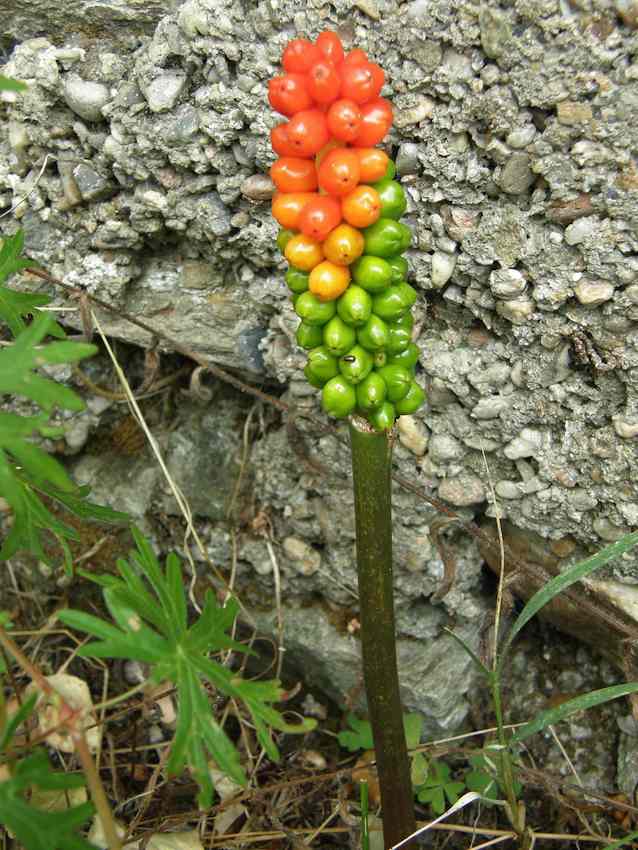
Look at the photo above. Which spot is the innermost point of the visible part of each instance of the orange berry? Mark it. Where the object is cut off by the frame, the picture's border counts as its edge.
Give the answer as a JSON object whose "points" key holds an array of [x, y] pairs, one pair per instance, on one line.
{"points": [[288, 206], [373, 163], [328, 281], [344, 245], [303, 253], [362, 207]]}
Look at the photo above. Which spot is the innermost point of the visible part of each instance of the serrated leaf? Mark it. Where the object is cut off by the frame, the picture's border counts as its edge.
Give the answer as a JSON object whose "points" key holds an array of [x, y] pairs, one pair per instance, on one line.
{"points": [[149, 607], [358, 737]]}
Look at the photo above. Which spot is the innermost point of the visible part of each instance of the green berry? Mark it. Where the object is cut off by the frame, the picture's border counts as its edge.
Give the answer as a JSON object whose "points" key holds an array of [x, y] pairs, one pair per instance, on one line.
{"points": [[390, 304], [297, 280], [408, 358], [408, 293], [400, 268], [356, 364], [374, 334], [309, 336], [338, 397], [383, 417], [380, 359], [393, 200], [338, 337], [312, 310], [387, 237], [312, 379], [412, 401], [371, 392], [399, 337], [397, 380], [283, 238], [374, 274], [354, 306], [323, 364]]}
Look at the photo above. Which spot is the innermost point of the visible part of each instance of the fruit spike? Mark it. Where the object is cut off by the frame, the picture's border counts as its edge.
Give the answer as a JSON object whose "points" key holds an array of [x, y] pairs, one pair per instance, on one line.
{"points": [[339, 206]]}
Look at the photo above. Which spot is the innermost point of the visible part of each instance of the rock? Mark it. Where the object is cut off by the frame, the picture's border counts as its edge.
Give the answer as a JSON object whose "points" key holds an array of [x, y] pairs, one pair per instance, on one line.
{"points": [[521, 137], [86, 98], [412, 435], [495, 31], [258, 187], [507, 283], [164, 91], [490, 407], [579, 231], [421, 108], [444, 447], [197, 274], [517, 175], [571, 113], [442, 268], [407, 159], [607, 530], [91, 185], [462, 490], [565, 212], [304, 558], [591, 293], [527, 444], [517, 310], [624, 428]]}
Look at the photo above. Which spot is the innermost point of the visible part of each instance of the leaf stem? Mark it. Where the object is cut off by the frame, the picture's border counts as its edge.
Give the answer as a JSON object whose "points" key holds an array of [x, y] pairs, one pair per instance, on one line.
{"points": [[371, 467]]}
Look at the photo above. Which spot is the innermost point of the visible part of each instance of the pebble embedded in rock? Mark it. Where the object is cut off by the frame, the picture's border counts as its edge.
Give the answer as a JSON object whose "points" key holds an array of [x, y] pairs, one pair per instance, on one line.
{"points": [[527, 444], [581, 230], [444, 448], [305, 559], [86, 98], [521, 137], [518, 310], [462, 490], [517, 176], [164, 91], [626, 430], [571, 113], [507, 283], [92, 186], [412, 435], [442, 268], [593, 292], [490, 407], [407, 159], [258, 187]]}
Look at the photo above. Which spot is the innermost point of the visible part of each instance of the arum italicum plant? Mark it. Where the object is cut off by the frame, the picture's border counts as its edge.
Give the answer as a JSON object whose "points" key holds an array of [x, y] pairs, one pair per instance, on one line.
{"points": [[339, 209]]}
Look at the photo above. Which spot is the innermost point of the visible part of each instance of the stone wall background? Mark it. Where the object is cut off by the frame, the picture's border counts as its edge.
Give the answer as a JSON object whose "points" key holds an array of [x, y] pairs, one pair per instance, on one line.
{"points": [[515, 137]]}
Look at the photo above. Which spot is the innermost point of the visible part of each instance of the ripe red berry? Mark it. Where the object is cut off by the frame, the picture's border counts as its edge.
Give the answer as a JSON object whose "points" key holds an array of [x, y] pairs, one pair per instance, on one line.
{"points": [[324, 82], [299, 55], [308, 132], [344, 120], [289, 94], [330, 45]]}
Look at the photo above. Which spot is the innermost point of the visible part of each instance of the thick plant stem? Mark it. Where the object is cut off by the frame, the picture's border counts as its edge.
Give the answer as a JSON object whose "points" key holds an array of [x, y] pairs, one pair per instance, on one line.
{"points": [[371, 468]]}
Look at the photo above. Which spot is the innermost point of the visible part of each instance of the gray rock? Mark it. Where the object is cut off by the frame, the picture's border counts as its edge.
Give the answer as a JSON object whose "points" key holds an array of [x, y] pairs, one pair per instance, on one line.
{"points": [[591, 293], [92, 186], [462, 490], [507, 283], [517, 176], [164, 91], [86, 98], [442, 268], [580, 230]]}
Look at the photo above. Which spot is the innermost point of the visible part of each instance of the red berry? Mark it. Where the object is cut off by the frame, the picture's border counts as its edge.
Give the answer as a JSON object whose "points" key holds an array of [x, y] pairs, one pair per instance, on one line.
{"points": [[324, 82], [319, 216], [375, 123], [344, 120], [307, 132], [299, 55], [360, 83], [356, 57], [289, 94], [330, 45], [339, 171], [280, 141]]}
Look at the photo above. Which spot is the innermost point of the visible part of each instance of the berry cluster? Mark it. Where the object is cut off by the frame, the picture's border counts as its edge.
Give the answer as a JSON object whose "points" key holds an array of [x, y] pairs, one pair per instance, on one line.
{"points": [[339, 209]]}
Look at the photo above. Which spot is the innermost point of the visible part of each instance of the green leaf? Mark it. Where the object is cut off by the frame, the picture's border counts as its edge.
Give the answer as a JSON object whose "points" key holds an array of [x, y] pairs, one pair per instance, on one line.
{"points": [[566, 579], [434, 797], [438, 786], [9, 84], [413, 724], [581, 703], [149, 608], [37, 829], [477, 661], [621, 841], [358, 737]]}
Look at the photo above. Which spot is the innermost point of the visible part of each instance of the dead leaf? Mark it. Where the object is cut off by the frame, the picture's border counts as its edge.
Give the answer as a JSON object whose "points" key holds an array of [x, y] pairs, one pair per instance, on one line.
{"points": [[74, 693]]}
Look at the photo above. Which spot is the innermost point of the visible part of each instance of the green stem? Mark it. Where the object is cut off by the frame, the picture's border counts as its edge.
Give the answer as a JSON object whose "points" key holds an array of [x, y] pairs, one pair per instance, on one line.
{"points": [[371, 469], [507, 772]]}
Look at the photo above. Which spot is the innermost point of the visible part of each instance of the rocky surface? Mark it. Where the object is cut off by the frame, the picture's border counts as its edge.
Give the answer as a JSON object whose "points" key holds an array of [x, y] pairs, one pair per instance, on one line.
{"points": [[515, 139]]}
